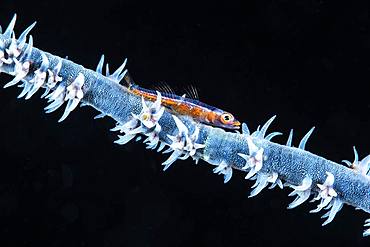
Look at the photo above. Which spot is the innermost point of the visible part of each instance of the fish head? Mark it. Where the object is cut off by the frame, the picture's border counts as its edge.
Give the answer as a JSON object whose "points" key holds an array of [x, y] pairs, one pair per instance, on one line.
{"points": [[226, 120]]}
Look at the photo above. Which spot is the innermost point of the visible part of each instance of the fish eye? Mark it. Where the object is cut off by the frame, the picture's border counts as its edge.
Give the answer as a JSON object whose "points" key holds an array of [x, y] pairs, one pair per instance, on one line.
{"points": [[226, 118]]}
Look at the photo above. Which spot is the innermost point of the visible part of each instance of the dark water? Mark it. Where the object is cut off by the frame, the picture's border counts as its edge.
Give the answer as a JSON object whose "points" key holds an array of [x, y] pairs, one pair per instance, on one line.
{"points": [[69, 185]]}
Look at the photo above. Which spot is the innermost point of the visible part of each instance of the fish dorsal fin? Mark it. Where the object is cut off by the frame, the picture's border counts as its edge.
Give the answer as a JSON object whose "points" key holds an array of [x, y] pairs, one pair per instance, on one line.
{"points": [[192, 92], [163, 87]]}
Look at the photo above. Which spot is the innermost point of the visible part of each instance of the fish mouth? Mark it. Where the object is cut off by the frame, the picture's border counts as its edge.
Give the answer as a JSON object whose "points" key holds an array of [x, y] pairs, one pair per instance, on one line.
{"points": [[236, 124]]}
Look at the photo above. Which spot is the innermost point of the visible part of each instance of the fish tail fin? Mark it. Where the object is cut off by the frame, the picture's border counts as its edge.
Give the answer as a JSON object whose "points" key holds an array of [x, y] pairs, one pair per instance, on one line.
{"points": [[128, 81]]}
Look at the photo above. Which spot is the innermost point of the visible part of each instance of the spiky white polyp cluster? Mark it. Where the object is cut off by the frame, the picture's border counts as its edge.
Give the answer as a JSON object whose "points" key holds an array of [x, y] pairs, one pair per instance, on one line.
{"points": [[183, 144], [18, 55], [14, 50], [302, 191], [326, 193], [328, 199], [146, 123], [255, 158], [21, 63], [254, 163]]}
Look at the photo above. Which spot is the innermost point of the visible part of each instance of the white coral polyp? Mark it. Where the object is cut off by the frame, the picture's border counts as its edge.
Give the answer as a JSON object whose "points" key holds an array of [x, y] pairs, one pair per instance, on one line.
{"points": [[146, 122], [53, 77], [253, 160], [224, 169], [13, 50], [152, 139], [183, 145], [149, 116], [191, 145], [326, 193], [74, 90]]}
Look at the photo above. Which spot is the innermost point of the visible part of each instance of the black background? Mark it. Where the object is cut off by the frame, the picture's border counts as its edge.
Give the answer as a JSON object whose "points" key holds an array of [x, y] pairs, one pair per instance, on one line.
{"points": [[69, 185]]}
